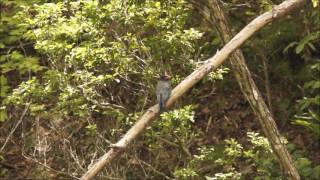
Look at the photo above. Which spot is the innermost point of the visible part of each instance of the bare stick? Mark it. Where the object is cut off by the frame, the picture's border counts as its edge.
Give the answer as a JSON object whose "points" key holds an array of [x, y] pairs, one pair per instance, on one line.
{"points": [[212, 63], [15, 127]]}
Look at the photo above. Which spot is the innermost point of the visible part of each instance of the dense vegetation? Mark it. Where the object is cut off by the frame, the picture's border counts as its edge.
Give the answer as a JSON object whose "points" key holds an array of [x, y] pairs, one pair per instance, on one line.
{"points": [[76, 75]]}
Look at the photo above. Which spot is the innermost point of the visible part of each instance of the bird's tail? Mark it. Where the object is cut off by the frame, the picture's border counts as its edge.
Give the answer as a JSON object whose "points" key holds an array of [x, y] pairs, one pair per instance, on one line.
{"points": [[161, 106], [161, 103]]}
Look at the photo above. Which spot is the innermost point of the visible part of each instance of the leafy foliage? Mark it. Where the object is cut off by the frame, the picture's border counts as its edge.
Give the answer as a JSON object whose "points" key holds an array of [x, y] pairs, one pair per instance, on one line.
{"points": [[99, 61], [85, 70], [174, 130], [308, 114], [14, 54], [94, 49], [233, 161]]}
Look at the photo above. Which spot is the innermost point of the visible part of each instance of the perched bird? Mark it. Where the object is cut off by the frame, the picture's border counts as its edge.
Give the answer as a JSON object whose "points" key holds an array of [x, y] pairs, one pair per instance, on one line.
{"points": [[163, 90]]}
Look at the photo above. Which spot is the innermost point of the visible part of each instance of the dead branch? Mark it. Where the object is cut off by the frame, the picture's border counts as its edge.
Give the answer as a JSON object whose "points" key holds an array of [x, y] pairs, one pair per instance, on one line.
{"points": [[212, 63]]}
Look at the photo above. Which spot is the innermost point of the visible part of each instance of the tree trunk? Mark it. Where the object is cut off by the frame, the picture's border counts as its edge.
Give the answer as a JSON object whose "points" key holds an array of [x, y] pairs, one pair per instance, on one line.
{"points": [[212, 63], [252, 94]]}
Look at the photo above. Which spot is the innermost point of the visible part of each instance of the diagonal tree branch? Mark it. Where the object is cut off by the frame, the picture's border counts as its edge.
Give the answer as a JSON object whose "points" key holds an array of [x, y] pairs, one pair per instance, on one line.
{"points": [[212, 63]]}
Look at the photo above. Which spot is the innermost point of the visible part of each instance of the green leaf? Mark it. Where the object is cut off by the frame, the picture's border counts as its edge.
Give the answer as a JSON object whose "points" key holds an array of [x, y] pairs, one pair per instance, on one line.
{"points": [[157, 4], [4, 86], [290, 45], [315, 115], [3, 115], [307, 39], [315, 3]]}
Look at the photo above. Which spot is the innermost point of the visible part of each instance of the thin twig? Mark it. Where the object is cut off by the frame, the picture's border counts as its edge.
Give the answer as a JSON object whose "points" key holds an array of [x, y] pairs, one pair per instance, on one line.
{"points": [[168, 142], [266, 80], [48, 167], [184, 149], [153, 169], [15, 127]]}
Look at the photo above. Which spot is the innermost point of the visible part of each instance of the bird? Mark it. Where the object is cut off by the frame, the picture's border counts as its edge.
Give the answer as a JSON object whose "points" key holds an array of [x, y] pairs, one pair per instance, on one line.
{"points": [[163, 90]]}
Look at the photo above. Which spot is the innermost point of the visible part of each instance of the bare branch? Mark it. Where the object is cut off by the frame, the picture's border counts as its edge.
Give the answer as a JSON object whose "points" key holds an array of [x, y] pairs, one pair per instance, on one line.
{"points": [[213, 62]]}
